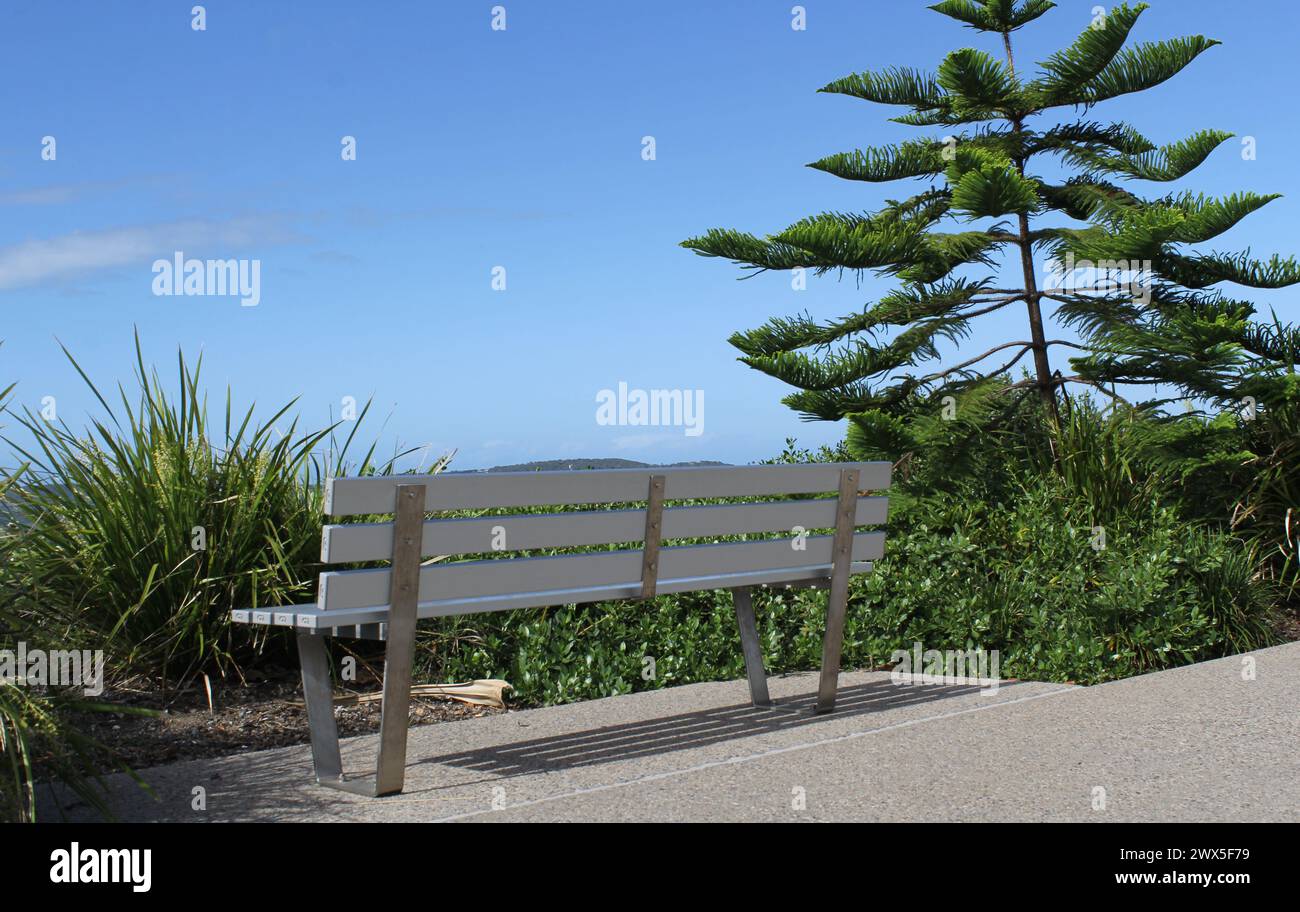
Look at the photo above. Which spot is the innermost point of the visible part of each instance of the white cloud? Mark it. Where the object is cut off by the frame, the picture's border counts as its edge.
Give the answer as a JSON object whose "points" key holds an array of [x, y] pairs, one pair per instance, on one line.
{"points": [[74, 255], [43, 196], [58, 194]]}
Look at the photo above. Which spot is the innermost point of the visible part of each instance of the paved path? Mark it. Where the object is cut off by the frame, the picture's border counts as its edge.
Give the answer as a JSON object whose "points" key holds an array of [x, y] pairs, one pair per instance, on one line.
{"points": [[1194, 743]]}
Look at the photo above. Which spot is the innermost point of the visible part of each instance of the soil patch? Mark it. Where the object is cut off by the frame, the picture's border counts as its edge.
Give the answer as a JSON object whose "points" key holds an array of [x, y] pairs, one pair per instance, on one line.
{"points": [[252, 716]]}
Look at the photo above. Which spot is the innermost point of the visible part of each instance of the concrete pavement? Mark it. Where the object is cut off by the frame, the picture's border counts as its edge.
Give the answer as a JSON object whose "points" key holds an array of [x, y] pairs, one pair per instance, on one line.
{"points": [[1198, 743]]}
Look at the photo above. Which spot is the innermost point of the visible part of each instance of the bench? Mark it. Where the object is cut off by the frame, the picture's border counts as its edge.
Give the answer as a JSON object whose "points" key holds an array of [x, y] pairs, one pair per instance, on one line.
{"points": [[385, 603]]}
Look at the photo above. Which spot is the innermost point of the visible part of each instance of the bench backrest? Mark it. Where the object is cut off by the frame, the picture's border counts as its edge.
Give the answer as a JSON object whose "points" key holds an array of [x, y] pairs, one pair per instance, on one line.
{"points": [[497, 583]]}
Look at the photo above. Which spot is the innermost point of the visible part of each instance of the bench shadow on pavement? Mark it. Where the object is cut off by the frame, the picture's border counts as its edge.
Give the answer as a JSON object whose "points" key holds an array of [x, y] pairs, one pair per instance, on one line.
{"points": [[688, 730], [254, 786]]}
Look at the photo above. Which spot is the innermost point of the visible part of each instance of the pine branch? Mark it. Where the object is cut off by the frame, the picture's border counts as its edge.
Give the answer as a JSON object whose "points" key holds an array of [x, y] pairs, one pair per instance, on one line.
{"points": [[887, 163], [986, 185], [750, 252], [1082, 197], [1119, 137], [899, 308], [1068, 72], [939, 254], [975, 82], [993, 15], [944, 117], [975, 15], [1144, 67], [956, 368], [1276, 342], [821, 405], [1208, 218], [1210, 269], [1167, 163], [835, 240], [896, 86]]}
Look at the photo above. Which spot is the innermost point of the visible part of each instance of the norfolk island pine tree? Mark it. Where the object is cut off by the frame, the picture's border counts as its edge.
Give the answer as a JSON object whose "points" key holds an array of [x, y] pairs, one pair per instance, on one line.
{"points": [[1179, 332]]}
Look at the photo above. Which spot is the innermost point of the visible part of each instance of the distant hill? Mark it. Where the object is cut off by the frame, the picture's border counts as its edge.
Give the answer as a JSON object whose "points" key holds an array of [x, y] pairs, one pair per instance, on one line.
{"points": [[548, 465]]}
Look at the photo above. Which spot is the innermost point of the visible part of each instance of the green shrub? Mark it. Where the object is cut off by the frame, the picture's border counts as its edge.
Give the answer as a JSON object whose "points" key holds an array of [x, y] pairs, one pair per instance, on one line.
{"points": [[1032, 579]]}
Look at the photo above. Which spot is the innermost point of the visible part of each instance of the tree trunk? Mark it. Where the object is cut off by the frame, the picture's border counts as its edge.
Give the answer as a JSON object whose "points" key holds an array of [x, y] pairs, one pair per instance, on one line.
{"points": [[1042, 367], [1033, 301]]}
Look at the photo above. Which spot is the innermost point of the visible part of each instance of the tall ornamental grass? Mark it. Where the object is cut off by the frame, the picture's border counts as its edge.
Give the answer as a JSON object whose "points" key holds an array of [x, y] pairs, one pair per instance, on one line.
{"points": [[37, 739], [143, 531]]}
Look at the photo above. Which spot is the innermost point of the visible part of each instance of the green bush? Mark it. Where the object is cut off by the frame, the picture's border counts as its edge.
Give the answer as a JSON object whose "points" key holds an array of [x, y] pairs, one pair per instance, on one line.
{"points": [[1023, 578], [1032, 579]]}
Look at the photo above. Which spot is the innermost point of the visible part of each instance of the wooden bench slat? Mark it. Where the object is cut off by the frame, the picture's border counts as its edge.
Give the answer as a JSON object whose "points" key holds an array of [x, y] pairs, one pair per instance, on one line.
{"points": [[340, 590], [311, 617], [342, 544], [483, 490]]}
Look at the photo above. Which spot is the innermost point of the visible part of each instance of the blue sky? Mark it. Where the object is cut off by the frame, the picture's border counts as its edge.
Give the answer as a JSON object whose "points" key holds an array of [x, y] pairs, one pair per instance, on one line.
{"points": [[519, 148]]}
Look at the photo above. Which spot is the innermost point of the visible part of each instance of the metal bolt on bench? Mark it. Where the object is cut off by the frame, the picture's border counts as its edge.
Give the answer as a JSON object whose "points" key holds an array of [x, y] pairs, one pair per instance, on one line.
{"points": [[385, 604]]}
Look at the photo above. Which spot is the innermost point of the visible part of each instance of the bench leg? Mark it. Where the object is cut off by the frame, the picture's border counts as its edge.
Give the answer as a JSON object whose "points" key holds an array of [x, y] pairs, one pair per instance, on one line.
{"points": [[390, 772], [318, 694], [319, 697], [838, 600], [744, 605], [390, 769]]}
